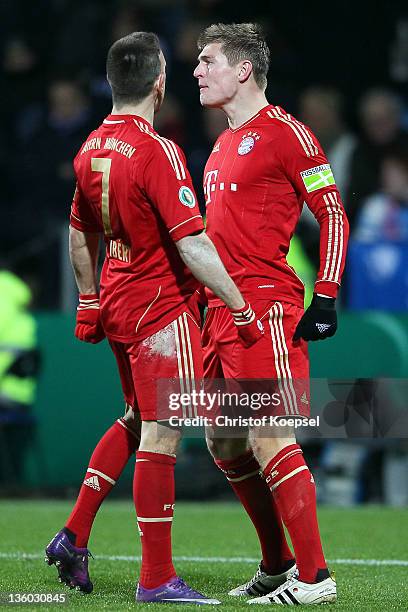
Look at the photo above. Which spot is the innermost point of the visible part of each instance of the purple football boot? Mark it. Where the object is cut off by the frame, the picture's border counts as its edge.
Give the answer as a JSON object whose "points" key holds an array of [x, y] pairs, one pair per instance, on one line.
{"points": [[173, 591], [70, 561]]}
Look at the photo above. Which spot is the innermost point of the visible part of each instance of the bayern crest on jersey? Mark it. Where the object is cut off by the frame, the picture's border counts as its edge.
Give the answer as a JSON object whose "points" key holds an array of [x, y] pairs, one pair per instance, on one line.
{"points": [[247, 143]]}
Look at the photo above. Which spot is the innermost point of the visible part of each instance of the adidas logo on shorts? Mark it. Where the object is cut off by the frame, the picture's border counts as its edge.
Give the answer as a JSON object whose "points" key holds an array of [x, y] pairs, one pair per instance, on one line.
{"points": [[304, 399]]}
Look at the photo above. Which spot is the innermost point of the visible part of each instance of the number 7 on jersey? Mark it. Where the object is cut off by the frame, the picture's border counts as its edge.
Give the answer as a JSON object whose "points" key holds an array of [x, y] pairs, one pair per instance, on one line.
{"points": [[103, 164]]}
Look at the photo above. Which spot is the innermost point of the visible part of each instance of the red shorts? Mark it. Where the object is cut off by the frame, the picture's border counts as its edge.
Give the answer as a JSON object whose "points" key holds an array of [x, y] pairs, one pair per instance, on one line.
{"points": [[275, 357], [173, 354]]}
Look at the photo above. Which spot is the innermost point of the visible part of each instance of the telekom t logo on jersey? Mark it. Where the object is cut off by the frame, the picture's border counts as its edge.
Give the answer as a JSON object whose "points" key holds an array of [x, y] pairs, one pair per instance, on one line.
{"points": [[210, 185]]}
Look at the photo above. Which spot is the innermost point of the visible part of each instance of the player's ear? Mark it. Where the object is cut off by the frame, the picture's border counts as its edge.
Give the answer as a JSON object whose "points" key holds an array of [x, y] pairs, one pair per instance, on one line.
{"points": [[159, 85], [159, 89], [161, 80], [244, 70]]}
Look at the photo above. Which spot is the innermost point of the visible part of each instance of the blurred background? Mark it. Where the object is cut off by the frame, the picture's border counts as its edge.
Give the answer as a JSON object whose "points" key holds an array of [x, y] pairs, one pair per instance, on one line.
{"points": [[340, 69]]}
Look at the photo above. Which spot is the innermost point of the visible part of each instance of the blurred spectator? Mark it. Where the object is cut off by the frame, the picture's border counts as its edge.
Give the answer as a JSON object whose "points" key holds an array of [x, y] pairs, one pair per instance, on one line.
{"points": [[83, 36], [169, 122], [23, 79], [126, 20], [298, 260], [45, 121], [378, 254], [24, 55], [384, 215], [44, 190], [48, 186], [381, 123], [19, 360], [321, 108], [399, 51], [214, 122], [18, 57], [182, 85]]}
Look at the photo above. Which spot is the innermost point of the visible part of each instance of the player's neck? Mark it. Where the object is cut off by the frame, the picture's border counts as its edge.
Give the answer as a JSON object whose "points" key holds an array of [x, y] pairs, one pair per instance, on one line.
{"points": [[145, 110], [243, 107]]}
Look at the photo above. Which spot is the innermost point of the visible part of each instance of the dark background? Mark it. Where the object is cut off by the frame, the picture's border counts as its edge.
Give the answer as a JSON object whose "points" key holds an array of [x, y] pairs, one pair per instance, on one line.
{"points": [[52, 61], [54, 92]]}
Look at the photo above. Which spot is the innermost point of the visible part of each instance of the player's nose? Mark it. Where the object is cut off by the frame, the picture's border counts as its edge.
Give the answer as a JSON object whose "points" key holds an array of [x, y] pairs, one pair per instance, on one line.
{"points": [[197, 72]]}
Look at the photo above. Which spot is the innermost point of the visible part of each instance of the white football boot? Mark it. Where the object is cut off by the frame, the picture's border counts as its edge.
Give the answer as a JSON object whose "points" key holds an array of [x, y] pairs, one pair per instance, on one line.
{"points": [[262, 583], [294, 592]]}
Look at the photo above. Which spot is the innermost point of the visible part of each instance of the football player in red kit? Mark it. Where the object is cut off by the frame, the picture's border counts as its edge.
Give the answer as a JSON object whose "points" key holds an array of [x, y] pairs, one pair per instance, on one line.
{"points": [[258, 175], [133, 189]]}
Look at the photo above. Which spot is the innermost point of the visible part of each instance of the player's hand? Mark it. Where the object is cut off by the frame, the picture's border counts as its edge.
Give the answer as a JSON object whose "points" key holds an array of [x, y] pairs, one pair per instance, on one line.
{"points": [[88, 326], [319, 320], [250, 329]]}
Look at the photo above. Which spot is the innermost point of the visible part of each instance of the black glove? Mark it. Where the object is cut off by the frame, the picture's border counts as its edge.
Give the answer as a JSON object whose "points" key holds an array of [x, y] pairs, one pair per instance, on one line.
{"points": [[319, 320]]}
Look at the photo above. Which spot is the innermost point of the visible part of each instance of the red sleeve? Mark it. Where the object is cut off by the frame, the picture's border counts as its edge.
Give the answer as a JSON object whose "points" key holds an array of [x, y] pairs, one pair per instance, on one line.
{"points": [[167, 184], [310, 174], [82, 217]]}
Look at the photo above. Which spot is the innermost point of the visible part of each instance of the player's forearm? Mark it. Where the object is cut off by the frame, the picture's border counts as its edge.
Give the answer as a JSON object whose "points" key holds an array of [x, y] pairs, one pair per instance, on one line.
{"points": [[83, 252], [200, 256], [334, 231]]}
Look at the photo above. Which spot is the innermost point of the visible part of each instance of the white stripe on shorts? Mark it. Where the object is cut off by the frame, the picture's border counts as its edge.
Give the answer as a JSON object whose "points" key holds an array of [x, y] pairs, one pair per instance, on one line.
{"points": [[282, 366]]}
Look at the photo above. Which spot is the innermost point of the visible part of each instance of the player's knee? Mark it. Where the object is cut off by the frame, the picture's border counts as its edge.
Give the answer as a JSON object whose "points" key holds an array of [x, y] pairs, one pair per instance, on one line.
{"points": [[265, 449], [212, 447], [132, 421], [159, 438], [226, 448]]}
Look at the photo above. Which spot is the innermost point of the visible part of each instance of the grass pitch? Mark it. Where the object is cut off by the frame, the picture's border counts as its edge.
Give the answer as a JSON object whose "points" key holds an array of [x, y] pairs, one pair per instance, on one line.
{"points": [[213, 544]]}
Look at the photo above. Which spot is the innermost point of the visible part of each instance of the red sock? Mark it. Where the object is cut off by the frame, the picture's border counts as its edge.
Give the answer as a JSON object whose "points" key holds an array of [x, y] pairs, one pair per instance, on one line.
{"points": [[153, 494], [293, 488], [105, 466], [252, 491]]}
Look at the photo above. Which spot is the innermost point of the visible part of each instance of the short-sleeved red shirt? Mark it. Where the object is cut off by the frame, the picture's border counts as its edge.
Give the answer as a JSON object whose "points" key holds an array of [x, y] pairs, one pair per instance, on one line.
{"points": [[133, 185]]}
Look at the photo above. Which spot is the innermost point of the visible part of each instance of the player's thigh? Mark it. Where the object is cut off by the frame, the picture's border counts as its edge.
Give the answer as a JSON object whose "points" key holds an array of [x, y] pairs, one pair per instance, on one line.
{"points": [[169, 361], [276, 358], [224, 354], [119, 349], [212, 368], [241, 362], [291, 358], [218, 339]]}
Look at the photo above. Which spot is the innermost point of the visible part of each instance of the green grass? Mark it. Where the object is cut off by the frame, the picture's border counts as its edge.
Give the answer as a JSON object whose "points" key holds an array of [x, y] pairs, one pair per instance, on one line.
{"points": [[202, 530]]}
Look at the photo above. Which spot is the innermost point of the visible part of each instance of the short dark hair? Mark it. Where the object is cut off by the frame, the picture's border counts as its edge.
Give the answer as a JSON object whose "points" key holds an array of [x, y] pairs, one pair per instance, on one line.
{"points": [[240, 41], [132, 67]]}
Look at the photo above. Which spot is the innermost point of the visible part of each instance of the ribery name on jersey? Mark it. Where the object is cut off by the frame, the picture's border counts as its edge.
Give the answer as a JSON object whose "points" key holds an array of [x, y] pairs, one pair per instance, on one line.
{"points": [[119, 250], [110, 144]]}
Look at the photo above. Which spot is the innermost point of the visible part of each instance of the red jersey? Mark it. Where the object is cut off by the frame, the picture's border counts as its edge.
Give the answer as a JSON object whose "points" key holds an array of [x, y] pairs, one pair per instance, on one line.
{"points": [[255, 181], [133, 186]]}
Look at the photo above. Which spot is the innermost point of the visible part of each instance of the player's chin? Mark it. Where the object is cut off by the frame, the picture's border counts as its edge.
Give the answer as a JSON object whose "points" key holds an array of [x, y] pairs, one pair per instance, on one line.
{"points": [[203, 98], [207, 102]]}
